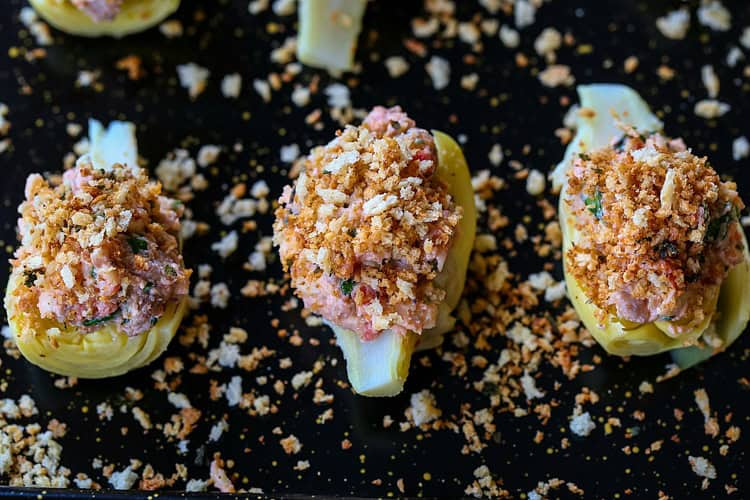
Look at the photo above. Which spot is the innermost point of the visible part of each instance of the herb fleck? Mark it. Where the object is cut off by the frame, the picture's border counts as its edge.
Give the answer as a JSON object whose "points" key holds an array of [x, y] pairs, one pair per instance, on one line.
{"points": [[137, 244], [594, 204], [347, 286], [97, 321], [719, 226], [667, 249], [30, 278]]}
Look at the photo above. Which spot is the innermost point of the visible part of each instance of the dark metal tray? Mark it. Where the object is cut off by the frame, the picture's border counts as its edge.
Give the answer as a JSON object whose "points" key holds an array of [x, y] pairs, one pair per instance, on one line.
{"points": [[510, 107]]}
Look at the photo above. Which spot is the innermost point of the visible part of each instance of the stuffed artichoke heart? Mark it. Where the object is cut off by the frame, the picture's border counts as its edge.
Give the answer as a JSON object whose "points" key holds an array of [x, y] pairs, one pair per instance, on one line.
{"points": [[647, 268], [379, 367], [93, 18], [376, 233], [98, 286]]}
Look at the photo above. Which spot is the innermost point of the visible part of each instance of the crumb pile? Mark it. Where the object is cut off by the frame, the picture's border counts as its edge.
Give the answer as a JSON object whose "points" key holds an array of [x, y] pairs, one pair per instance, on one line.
{"points": [[658, 229]]}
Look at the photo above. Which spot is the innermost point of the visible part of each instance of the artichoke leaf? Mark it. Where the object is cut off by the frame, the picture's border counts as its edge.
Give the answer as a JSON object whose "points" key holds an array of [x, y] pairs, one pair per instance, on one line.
{"points": [[115, 144], [377, 367], [596, 125], [328, 33]]}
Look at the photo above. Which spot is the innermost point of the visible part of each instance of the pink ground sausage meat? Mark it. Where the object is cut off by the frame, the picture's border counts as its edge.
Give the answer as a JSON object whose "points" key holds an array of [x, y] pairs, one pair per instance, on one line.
{"points": [[99, 10]]}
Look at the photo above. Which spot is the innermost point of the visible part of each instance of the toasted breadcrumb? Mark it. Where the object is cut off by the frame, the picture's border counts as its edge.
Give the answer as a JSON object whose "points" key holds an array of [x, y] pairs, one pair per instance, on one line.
{"points": [[556, 75], [711, 108], [714, 15], [740, 148], [423, 409], [548, 41], [702, 467], [231, 85], [396, 66], [674, 24], [509, 37], [652, 227], [524, 12], [171, 28], [581, 424], [439, 70], [291, 445], [193, 78], [535, 183], [710, 80], [381, 174]]}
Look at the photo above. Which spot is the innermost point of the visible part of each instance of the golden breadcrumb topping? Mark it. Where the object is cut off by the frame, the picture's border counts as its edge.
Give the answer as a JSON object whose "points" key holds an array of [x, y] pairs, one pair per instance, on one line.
{"points": [[658, 230], [367, 226], [101, 246]]}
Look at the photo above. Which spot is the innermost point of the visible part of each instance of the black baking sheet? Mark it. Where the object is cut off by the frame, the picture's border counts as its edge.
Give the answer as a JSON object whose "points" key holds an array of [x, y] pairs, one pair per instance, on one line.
{"points": [[509, 107]]}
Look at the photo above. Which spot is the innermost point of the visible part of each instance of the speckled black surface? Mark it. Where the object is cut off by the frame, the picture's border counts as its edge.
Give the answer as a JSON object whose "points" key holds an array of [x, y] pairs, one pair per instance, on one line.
{"points": [[524, 113]]}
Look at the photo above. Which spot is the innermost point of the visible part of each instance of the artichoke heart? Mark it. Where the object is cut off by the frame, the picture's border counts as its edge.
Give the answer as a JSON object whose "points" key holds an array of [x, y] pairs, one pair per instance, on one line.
{"points": [[133, 16], [106, 351], [379, 367], [726, 308], [328, 32]]}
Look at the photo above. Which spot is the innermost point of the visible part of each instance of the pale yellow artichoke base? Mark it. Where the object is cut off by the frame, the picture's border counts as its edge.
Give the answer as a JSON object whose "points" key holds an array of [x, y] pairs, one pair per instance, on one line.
{"points": [[134, 16], [106, 352], [379, 367]]}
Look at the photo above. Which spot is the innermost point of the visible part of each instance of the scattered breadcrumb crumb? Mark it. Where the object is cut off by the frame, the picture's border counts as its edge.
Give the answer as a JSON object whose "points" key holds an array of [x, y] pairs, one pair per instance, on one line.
{"points": [[581, 424], [171, 28], [439, 70], [263, 88], [291, 445], [714, 15], [524, 13], [535, 183], [231, 85], [711, 108], [423, 409], [555, 75], [710, 80], [396, 66], [227, 245], [548, 41], [740, 148], [124, 479], [702, 467], [674, 24], [193, 78], [509, 37]]}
